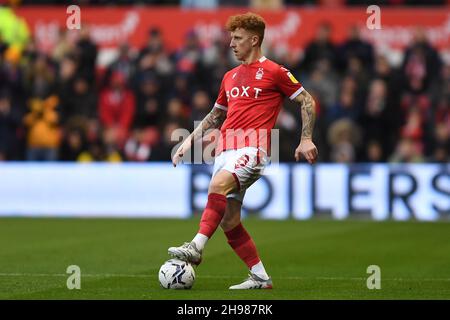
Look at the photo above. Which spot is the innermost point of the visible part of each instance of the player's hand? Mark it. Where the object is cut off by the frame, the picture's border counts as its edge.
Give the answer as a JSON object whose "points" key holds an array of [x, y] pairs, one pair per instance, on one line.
{"points": [[178, 155], [307, 149]]}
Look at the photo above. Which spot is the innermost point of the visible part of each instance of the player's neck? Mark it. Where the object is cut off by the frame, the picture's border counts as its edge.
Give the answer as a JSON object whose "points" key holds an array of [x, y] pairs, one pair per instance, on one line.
{"points": [[253, 56]]}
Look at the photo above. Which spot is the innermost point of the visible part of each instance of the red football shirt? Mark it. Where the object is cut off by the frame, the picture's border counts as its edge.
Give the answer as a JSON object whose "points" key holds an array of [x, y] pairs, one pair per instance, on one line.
{"points": [[252, 95]]}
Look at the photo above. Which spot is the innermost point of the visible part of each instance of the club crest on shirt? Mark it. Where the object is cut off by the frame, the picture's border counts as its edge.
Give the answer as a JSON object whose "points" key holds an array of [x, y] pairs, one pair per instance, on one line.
{"points": [[259, 74]]}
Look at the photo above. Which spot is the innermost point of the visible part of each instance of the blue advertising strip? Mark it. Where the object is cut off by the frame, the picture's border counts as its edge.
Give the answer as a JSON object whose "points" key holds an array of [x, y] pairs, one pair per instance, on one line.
{"points": [[99, 190], [300, 191]]}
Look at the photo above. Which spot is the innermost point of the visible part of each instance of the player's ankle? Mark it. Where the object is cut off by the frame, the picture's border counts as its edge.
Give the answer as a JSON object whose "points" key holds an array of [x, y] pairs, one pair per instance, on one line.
{"points": [[200, 241], [259, 270]]}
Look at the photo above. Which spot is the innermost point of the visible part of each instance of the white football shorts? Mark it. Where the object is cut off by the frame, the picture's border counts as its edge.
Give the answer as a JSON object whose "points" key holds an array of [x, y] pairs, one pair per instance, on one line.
{"points": [[246, 164]]}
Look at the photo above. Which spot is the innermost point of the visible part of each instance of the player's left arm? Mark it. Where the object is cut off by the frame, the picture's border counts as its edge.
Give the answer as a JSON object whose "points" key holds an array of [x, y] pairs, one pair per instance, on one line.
{"points": [[306, 147]]}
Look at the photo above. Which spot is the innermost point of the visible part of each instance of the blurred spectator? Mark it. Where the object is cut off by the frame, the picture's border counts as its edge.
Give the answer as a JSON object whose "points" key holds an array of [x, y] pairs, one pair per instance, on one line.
{"points": [[12, 76], [382, 68], [407, 151], [149, 101], [414, 126], [13, 28], [347, 105], [324, 82], [149, 113], [189, 62], [176, 112], [321, 48], [361, 76], [79, 111], [343, 152], [163, 150], [153, 56], [73, 145], [379, 117], [201, 105], [344, 137], [98, 151], [67, 69], [355, 47], [441, 143], [123, 64], [86, 54], [374, 152], [188, 57], [9, 123], [116, 110], [155, 42], [41, 77], [140, 143], [421, 61], [182, 88], [43, 136], [64, 45], [80, 102]]}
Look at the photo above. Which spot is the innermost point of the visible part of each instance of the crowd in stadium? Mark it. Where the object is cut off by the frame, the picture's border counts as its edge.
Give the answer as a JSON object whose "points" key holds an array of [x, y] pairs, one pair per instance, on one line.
{"points": [[58, 106]]}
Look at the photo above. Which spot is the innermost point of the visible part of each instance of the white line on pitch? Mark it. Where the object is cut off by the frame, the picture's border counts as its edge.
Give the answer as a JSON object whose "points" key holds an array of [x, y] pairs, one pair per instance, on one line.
{"points": [[119, 275]]}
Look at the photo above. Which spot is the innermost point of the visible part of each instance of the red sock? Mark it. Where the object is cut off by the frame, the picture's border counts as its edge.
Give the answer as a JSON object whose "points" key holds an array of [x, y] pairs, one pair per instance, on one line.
{"points": [[213, 214], [243, 245]]}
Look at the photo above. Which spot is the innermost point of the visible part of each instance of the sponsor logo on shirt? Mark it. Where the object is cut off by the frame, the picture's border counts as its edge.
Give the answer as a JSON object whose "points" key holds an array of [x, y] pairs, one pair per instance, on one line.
{"points": [[243, 91]]}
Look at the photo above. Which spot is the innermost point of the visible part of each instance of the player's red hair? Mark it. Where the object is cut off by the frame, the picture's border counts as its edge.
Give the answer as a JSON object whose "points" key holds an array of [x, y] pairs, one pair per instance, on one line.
{"points": [[248, 21]]}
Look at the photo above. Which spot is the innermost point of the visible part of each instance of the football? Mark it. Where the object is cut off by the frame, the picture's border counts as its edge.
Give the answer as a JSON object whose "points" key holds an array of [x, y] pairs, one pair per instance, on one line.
{"points": [[176, 274]]}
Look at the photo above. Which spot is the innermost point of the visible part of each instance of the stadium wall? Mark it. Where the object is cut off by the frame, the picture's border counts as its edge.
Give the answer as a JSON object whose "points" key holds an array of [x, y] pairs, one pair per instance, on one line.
{"points": [[288, 30], [299, 191]]}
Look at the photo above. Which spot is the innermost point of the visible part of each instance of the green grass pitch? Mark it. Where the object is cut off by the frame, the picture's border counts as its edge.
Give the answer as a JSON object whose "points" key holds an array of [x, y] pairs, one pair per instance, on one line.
{"points": [[315, 259]]}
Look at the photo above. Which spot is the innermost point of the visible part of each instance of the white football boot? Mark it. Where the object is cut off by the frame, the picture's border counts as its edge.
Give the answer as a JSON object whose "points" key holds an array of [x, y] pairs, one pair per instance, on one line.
{"points": [[187, 252], [253, 282]]}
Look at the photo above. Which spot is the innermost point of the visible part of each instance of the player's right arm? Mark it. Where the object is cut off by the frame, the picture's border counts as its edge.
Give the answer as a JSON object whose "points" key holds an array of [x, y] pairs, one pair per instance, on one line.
{"points": [[213, 120]]}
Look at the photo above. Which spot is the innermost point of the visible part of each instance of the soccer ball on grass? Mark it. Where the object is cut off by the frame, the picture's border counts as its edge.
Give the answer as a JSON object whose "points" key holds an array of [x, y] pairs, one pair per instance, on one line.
{"points": [[176, 274]]}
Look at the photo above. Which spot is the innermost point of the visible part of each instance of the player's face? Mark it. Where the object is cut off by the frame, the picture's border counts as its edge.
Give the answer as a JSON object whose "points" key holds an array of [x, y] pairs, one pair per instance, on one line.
{"points": [[242, 43]]}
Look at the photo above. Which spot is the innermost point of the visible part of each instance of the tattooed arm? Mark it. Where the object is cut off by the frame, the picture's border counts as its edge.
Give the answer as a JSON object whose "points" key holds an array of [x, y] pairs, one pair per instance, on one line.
{"points": [[306, 146], [213, 120]]}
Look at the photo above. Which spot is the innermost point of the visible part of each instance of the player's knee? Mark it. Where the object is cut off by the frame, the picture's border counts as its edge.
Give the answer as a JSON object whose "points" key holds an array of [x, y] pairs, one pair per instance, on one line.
{"points": [[216, 188], [222, 183], [220, 187]]}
